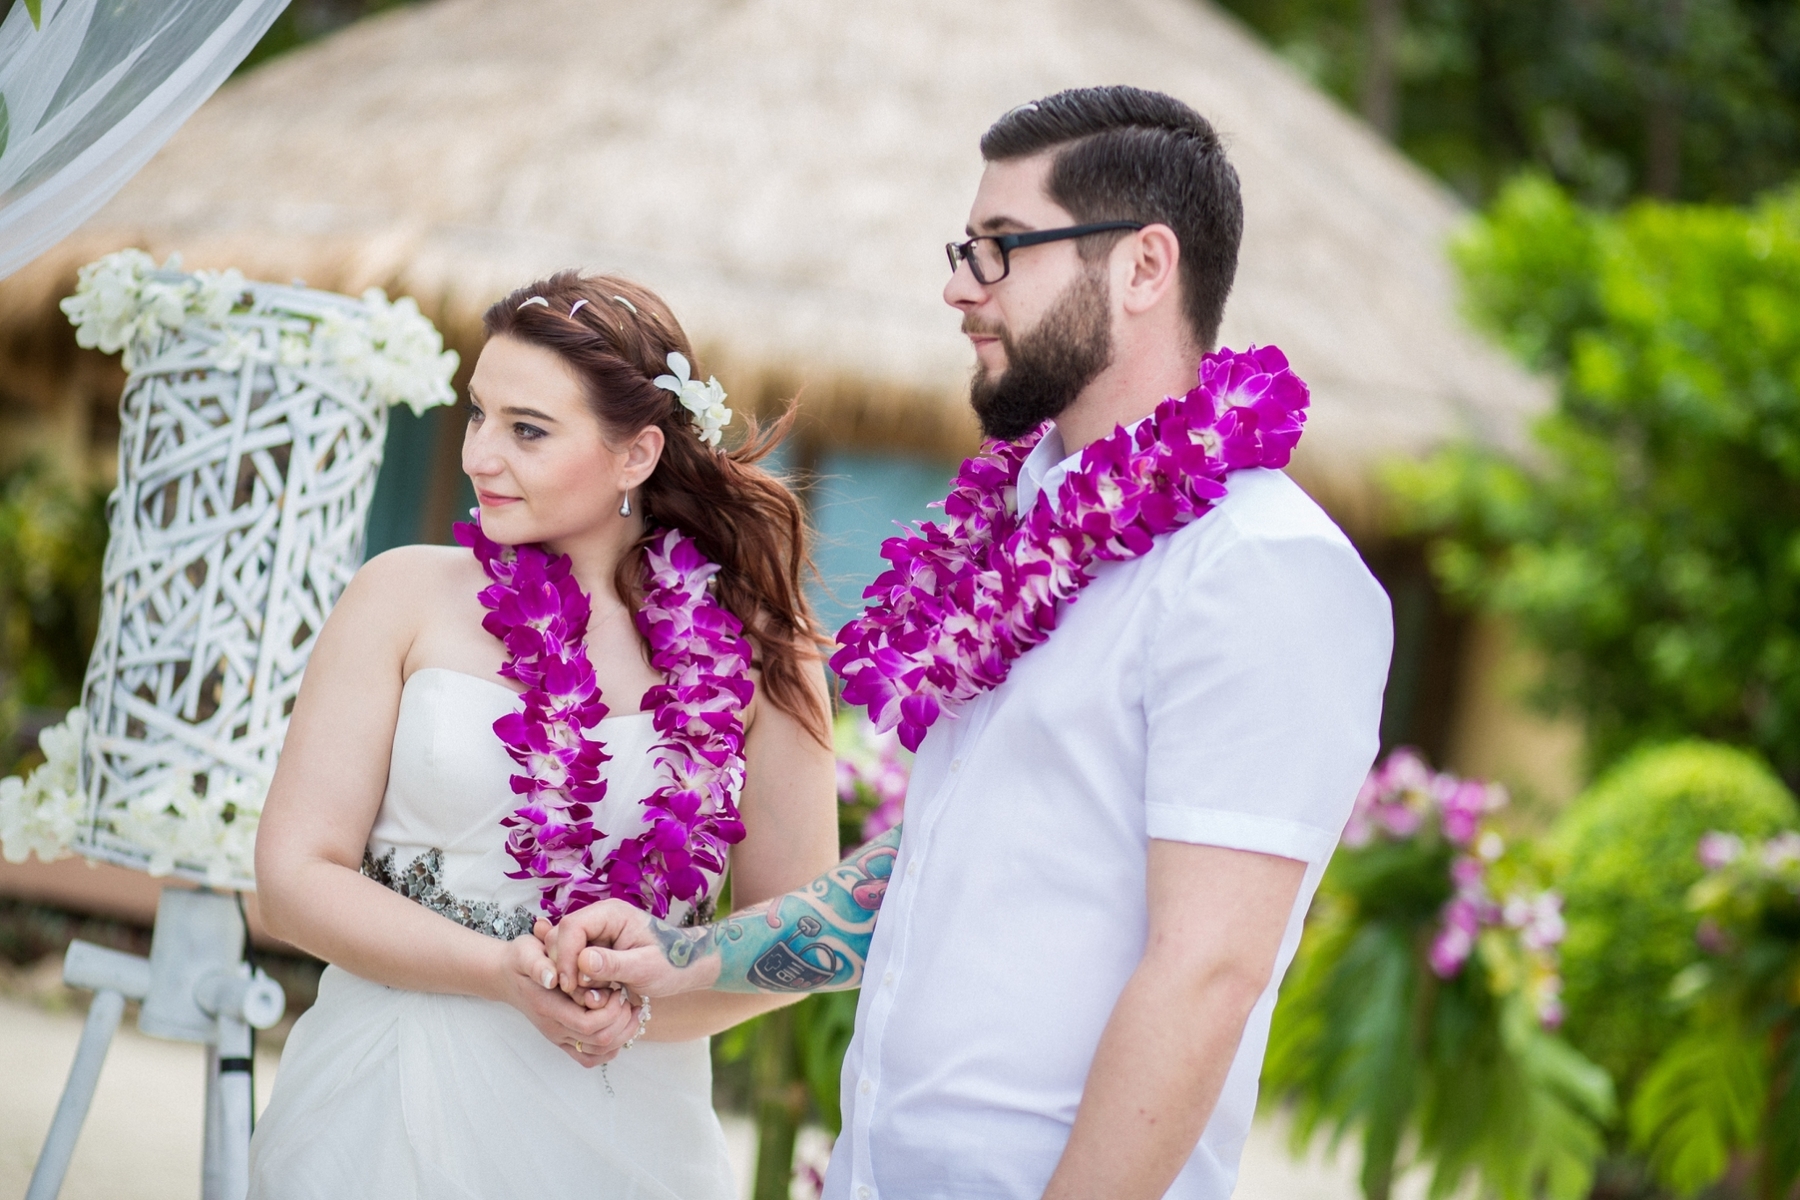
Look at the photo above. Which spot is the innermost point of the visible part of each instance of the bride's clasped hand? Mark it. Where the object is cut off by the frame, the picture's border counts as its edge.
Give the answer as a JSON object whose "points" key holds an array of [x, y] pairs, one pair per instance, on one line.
{"points": [[591, 1030], [591, 959], [612, 949]]}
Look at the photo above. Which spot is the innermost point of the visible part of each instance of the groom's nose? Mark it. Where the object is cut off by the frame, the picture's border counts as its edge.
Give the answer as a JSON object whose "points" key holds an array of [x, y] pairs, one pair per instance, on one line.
{"points": [[963, 290]]}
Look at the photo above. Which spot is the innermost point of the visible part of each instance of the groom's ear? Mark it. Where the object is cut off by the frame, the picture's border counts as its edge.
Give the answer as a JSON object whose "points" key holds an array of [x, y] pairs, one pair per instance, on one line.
{"points": [[1146, 269]]}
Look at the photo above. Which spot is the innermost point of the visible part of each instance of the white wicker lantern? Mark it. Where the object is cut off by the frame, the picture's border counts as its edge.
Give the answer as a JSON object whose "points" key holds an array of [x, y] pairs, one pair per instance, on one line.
{"points": [[251, 436]]}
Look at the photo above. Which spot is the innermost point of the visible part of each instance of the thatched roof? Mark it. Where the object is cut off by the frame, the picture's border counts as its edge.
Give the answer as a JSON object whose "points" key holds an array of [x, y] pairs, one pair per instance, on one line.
{"points": [[785, 172]]}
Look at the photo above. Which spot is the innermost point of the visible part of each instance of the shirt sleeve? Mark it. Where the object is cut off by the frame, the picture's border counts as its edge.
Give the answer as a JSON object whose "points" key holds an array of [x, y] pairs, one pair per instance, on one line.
{"points": [[1263, 696]]}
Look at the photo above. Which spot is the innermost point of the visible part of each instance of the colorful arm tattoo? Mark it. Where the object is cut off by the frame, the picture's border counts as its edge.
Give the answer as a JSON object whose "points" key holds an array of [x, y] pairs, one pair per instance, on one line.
{"points": [[811, 940]]}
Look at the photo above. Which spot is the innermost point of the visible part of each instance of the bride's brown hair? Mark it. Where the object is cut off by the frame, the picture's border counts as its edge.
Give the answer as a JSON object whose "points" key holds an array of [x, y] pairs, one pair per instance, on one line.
{"points": [[617, 336]]}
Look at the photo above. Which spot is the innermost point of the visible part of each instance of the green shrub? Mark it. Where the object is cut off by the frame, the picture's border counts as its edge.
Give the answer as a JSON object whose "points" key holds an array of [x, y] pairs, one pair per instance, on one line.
{"points": [[1724, 1099], [1649, 545], [1426, 1046], [1626, 857], [52, 538]]}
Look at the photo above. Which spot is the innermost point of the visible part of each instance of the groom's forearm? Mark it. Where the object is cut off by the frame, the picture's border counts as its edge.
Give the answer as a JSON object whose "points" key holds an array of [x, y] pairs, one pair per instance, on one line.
{"points": [[814, 939]]}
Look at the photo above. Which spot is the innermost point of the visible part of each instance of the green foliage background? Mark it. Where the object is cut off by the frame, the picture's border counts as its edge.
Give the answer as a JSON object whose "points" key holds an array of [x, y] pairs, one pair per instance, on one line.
{"points": [[1624, 855], [1368, 1042], [52, 537], [1583, 91], [1650, 543], [1723, 1100]]}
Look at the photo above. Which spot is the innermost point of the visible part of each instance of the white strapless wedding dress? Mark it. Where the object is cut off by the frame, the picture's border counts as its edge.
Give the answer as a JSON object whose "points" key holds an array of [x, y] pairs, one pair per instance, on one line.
{"points": [[391, 1094]]}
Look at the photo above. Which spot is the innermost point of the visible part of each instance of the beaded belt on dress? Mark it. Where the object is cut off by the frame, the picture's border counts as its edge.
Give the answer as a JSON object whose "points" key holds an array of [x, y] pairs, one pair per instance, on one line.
{"points": [[421, 880]]}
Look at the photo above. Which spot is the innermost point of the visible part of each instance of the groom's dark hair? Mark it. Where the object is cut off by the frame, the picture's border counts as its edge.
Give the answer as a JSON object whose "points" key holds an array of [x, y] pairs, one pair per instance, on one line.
{"points": [[1126, 154]]}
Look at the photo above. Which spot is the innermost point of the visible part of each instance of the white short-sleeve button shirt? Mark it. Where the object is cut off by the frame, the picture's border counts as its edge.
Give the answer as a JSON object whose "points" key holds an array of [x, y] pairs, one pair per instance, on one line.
{"points": [[1223, 689]]}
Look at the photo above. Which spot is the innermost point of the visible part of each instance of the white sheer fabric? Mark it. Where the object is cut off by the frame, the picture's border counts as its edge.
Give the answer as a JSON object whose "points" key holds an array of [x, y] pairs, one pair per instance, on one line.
{"points": [[89, 97]]}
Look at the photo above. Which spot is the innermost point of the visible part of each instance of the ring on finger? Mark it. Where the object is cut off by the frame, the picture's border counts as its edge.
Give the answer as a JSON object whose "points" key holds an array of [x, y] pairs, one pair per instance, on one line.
{"points": [[578, 1048]]}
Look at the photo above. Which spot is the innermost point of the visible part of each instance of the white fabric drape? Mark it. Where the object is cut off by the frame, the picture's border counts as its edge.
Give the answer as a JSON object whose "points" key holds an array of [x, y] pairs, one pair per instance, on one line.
{"points": [[89, 97]]}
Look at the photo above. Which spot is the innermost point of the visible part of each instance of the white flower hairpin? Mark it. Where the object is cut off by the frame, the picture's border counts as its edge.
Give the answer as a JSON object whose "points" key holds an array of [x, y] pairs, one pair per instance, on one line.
{"points": [[706, 401]]}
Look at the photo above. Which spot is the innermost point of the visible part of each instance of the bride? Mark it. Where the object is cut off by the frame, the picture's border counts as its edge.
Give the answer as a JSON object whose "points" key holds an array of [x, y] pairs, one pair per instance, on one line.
{"points": [[461, 764]]}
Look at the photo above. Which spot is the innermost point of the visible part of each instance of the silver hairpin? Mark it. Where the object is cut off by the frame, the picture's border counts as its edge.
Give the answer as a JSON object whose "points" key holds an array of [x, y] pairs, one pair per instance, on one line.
{"points": [[534, 300], [626, 303], [576, 307]]}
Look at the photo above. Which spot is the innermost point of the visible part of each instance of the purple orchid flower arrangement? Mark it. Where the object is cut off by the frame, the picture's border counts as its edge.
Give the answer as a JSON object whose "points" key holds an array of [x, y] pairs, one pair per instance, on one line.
{"points": [[962, 599], [539, 612], [1404, 801]]}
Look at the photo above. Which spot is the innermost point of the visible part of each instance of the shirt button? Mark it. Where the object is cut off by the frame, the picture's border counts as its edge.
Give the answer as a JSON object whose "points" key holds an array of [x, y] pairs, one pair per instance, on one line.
{"points": [[888, 979], [863, 1087], [864, 1192], [912, 868], [956, 764]]}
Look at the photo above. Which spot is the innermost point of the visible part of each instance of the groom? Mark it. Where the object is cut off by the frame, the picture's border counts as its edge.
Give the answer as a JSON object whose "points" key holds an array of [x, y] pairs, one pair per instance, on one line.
{"points": [[1107, 857]]}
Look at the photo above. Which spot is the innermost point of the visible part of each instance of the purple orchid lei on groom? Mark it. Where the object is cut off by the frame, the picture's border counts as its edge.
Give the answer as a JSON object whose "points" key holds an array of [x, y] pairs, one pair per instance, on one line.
{"points": [[963, 599]]}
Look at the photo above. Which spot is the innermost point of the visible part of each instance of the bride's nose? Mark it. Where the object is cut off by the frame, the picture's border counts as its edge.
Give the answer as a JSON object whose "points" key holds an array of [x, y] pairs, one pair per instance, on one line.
{"points": [[480, 456]]}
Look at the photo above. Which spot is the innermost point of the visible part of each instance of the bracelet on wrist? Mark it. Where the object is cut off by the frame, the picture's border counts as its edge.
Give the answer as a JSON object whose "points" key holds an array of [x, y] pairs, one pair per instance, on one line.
{"points": [[643, 1024]]}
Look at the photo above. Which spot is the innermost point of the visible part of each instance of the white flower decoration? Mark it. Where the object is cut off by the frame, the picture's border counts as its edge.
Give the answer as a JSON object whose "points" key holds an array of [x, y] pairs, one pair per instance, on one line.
{"points": [[41, 814], [706, 401], [216, 831], [294, 350], [238, 347], [125, 302], [394, 347]]}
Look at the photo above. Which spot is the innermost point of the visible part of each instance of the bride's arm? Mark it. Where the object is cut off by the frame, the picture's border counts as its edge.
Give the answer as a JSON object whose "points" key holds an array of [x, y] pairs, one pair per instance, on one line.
{"points": [[323, 802], [789, 807]]}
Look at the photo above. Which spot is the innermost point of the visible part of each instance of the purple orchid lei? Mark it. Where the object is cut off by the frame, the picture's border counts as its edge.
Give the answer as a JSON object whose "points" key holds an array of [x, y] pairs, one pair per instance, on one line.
{"points": [[540, 614], [963, 599]]}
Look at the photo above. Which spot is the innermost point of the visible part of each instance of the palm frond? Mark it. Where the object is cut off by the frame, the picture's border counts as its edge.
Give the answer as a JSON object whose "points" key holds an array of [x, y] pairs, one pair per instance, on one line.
{"points": [[1702, 1100]]}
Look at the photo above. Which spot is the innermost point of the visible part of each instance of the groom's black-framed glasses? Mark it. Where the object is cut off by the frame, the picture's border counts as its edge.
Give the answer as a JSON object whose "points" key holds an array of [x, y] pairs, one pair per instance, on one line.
{"points": [[990, 257]]}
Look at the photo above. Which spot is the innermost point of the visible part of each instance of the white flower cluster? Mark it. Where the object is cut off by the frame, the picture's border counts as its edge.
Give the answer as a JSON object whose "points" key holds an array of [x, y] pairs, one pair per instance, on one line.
{"points": [[124, 302], [395, 348], [121, 304], [706, 401], [42, 812], [216, 832]]}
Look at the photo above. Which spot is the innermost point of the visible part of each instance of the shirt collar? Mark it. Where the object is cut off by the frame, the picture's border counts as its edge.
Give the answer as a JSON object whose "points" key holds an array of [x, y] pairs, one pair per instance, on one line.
{"points": [[1045, 468]]}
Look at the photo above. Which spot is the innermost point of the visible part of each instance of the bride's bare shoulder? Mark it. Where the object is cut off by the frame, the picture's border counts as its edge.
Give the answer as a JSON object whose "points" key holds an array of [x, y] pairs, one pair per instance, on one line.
{"points": [[411, 583], [450, 565]]}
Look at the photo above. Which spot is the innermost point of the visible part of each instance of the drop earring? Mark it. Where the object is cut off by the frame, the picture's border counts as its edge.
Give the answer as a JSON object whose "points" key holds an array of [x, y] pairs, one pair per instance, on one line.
{"points": [[625, 505]]}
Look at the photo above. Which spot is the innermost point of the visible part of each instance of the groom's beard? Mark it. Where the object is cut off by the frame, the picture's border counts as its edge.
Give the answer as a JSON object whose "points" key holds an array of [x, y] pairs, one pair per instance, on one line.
{"points": [[1047, 367]]}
